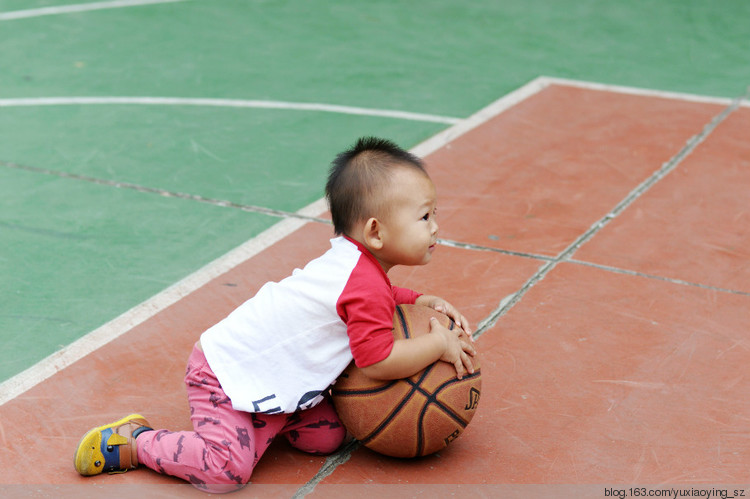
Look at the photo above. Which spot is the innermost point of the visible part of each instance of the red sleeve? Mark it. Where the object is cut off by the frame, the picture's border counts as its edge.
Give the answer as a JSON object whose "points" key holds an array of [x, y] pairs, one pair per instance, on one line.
{"points": [[367, 306], [405, 296]]}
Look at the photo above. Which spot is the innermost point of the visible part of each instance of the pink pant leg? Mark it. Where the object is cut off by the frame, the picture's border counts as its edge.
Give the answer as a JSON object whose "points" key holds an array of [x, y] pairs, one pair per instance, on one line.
{"points": [[219, 456]]}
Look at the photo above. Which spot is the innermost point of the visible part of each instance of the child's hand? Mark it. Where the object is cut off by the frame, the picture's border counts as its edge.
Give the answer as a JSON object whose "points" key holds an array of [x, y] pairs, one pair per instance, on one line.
{"points": [[457, 351], [437, 303]]}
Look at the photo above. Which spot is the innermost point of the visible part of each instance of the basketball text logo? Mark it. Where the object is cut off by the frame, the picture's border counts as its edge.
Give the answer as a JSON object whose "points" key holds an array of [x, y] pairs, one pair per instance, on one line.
{"points": [[452, 437], [473, 400]]}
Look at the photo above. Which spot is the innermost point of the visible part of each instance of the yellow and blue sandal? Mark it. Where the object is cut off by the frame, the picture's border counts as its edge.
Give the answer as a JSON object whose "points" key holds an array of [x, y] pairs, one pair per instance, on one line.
{"points": [[110, 448]]}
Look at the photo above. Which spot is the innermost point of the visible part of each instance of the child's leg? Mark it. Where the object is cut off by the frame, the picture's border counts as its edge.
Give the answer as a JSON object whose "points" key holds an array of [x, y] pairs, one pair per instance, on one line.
{"points": [[317, 430], [219, 456]]}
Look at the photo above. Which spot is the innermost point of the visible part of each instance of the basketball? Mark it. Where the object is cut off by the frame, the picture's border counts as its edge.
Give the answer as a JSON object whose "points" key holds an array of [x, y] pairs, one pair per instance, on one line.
{"points": [[414, 416]]}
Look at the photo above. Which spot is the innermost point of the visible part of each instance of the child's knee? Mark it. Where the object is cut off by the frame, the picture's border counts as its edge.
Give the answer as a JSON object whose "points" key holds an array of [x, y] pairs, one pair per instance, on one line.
{"points": [[334, 438], [321, 439], [219, 481], [220, 472]]}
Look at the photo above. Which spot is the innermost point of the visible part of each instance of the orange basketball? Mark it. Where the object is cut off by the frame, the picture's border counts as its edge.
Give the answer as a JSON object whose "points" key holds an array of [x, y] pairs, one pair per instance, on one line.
{"points": [[414, 416]]}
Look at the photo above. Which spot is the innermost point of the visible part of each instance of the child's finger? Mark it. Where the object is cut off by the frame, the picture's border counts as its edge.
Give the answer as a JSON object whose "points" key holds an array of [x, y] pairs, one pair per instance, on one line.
{"points": [[459, 365], [468, 348], [467, 363], [463, 323]]}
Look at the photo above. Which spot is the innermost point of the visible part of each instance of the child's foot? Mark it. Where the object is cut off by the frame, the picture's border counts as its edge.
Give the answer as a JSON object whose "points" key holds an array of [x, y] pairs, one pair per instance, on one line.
{"points": [[110, 448]]}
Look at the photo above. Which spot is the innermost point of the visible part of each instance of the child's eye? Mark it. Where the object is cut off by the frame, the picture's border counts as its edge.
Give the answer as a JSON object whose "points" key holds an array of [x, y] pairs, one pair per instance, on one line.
{"points": [[429, 214]]}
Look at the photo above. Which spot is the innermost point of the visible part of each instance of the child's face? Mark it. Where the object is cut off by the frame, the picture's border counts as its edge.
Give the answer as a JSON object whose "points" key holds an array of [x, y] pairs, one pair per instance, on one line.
{"points": [[409, 229]]}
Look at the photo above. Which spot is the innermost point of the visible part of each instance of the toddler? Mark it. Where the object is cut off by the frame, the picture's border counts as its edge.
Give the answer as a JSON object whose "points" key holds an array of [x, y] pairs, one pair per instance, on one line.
{"points": [[266, 369]]}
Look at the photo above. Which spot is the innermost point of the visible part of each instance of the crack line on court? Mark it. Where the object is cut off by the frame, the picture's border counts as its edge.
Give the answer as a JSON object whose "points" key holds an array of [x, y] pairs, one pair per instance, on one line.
{"points": [[329, 466], [672, 280], [566, 255], [165, 193], [618, 270], [478, 247], [308, 218]]}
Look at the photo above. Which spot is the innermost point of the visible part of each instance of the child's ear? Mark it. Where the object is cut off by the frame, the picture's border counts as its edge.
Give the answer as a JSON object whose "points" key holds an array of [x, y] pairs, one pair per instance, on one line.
{"points": [[372, 234]]}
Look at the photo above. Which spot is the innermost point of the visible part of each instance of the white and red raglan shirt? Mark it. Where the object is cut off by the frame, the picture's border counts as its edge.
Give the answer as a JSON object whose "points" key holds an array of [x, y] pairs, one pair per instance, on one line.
{"points": [[281, 350]]}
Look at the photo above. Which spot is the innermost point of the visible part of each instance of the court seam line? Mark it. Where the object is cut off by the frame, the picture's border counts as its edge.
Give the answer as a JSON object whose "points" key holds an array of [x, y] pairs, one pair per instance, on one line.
{"points": [[329, 466], [73, 8], [99, 337], [565, 256], [227, 103], [164, 192], [618, 270], [672, 280], [286, 214]]}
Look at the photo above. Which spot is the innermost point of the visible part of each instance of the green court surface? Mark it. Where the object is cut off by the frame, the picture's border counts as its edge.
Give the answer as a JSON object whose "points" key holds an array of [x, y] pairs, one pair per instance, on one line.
{"points": [[96, 213]]}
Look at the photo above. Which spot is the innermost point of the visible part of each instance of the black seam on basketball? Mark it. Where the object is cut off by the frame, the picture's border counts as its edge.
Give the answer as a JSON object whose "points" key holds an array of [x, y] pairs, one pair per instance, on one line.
{"points": [[402, 403], [416, 386], [389, 418], [447, 410], [432, 398], [346, 392], [420, 429], [402, 320]]}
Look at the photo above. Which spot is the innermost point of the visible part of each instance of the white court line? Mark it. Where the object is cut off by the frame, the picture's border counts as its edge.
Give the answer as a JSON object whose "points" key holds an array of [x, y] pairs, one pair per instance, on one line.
{"points": [[539, 84], [82, 7], [47, 367], [230, 103], [101, 336], [645, 92]]}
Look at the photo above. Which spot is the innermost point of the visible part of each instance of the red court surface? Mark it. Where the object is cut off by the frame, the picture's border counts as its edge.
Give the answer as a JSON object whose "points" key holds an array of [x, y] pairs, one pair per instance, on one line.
{"points": [[614, 348]]}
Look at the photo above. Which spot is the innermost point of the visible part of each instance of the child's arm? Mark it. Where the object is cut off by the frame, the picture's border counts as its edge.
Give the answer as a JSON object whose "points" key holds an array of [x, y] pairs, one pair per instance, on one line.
{"points": [[409, 356]]}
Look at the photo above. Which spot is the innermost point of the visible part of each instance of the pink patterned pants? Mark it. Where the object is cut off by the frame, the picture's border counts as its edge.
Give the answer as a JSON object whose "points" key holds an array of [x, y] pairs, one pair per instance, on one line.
{"points": [[219, 456]]}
